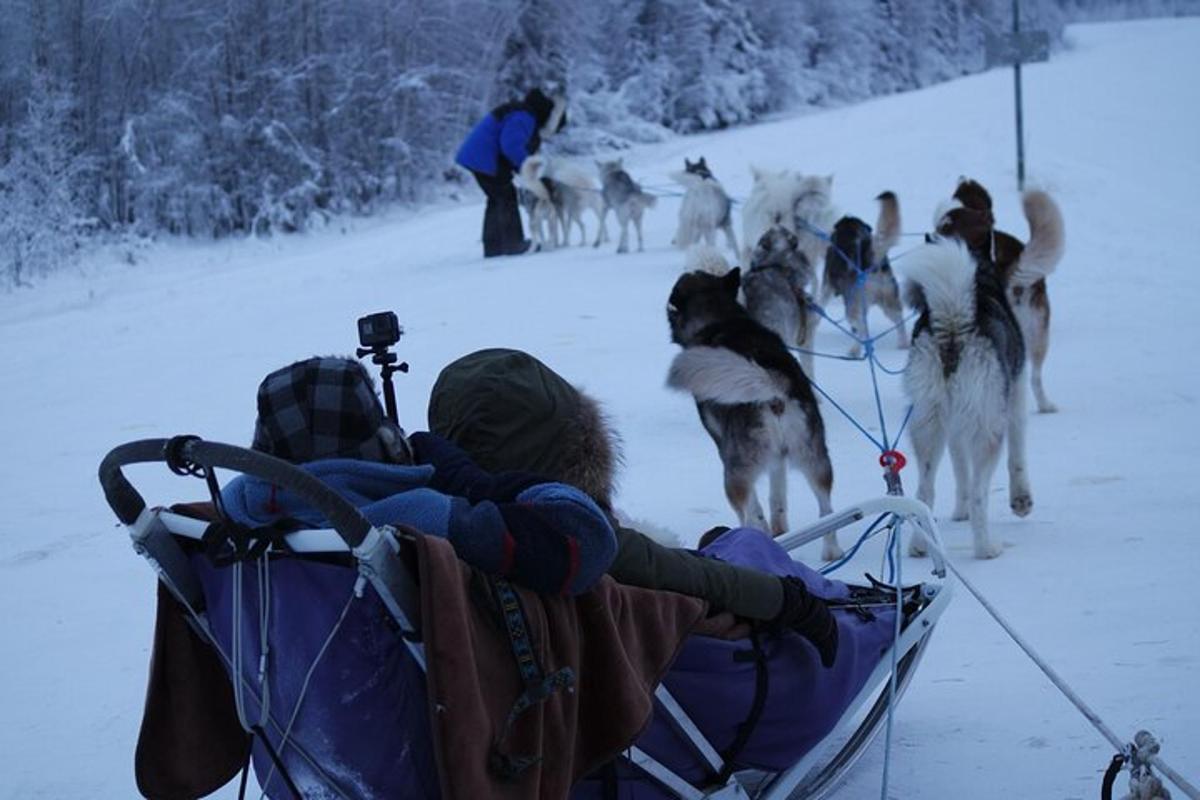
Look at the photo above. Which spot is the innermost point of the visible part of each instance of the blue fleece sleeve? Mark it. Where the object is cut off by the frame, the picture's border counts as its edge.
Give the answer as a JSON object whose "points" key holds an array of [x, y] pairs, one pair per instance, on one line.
{"points": [[553, 540], [515, 133]]}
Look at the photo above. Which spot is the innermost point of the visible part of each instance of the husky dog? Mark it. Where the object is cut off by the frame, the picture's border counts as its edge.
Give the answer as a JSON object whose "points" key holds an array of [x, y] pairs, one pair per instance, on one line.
{"points": [[705, 207], [706, 258], [773, 289], [1022, 267], [541, 206], [798, 202], [625, 197], [752, 396], [966, 380], [567, 190], [857, 270]]}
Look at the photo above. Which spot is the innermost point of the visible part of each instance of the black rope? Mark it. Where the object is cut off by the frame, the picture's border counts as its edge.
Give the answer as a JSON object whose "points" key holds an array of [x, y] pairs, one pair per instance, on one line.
{"points": [[761, 686], [246, 768], [1110, 776], [277, 761], [175, 460]]}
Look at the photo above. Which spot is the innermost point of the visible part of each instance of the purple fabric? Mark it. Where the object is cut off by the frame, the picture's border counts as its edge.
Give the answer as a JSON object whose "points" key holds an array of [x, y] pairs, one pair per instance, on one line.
{"points": [[804, 700], [364, 717]]}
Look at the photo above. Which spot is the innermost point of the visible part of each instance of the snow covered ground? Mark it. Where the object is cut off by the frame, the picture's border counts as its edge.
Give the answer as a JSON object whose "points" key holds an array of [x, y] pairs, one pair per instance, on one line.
{"points": [[1098, 578]]}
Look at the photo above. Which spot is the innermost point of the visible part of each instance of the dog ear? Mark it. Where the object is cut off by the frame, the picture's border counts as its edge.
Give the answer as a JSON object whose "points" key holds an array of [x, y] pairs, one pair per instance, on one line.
{"points": [[701, 163], [687, 164], [757, 173], [829, 181], [732, 280]]}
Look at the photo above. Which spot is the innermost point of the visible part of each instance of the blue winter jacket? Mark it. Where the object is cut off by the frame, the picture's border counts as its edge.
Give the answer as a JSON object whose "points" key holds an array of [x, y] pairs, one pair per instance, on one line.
{"points": [[492, 138], [546, 536]]}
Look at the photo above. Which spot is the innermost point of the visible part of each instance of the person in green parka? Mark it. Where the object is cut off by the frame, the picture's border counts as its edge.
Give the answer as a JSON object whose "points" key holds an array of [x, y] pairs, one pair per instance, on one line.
{"points": [[509, 411]]}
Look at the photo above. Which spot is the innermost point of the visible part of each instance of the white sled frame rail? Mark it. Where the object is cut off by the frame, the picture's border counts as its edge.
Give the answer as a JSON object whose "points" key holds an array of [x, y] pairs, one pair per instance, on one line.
{"points": [[376, 552]]}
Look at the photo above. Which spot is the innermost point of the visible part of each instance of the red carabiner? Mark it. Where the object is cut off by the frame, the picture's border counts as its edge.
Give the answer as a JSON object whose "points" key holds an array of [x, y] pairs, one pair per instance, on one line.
{"points": [[892, 460]]}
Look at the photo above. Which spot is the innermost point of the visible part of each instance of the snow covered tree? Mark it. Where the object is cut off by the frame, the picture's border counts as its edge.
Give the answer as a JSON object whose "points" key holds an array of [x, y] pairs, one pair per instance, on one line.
{"points": [[41, 220]]}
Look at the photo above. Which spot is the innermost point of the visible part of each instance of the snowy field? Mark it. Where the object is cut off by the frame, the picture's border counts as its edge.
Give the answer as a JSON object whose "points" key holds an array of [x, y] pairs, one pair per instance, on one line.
{"points": [[1098, 577]]}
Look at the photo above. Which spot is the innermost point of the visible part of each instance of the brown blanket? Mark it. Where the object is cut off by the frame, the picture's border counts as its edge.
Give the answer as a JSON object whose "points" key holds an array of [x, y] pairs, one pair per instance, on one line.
{"points": [[618, 640]]}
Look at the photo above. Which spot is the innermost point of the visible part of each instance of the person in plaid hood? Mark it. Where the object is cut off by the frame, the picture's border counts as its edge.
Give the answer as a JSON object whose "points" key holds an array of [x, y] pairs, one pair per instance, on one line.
{"points": [[323, 414]]}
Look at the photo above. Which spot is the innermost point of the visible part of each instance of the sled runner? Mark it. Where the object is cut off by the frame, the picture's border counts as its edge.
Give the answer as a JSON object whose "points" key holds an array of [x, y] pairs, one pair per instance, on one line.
{"points": [[323, 636]]}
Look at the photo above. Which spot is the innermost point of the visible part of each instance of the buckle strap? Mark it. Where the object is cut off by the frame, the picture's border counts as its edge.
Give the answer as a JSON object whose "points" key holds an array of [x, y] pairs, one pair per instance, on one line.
{"points": [[538, 685]]}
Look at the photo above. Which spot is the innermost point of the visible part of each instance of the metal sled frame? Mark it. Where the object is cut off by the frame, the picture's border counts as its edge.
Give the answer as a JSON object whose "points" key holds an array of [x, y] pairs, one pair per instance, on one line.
{"points": [[375, 551]]}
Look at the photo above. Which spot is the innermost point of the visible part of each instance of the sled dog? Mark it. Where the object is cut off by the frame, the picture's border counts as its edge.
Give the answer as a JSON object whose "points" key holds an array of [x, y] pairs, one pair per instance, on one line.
{"points": [[625, 197], [752, 397], [1022, 267], [705, 209], [773, 289], [568, 190], [858, 271], [541, 206], [966, 381], [798, 202]]}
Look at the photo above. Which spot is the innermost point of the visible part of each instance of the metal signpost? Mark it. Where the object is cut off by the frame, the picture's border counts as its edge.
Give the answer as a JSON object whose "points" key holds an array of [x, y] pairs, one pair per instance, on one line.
{"points": [[1017, 48]]}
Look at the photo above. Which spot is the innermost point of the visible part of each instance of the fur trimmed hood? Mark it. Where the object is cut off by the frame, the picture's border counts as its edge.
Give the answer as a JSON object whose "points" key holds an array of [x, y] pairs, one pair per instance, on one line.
{"points": [[509, 411]]}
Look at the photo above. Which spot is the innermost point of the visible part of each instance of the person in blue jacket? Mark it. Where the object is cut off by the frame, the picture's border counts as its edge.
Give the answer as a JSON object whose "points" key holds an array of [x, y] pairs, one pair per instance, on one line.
{"points": [[495, 149]]}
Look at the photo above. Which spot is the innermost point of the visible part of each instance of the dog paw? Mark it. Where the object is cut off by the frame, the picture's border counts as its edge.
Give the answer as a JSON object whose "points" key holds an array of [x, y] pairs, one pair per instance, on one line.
{"points": [[1047, 408], [988, 550], [831, 551], [960, 513], [1021, 504]]}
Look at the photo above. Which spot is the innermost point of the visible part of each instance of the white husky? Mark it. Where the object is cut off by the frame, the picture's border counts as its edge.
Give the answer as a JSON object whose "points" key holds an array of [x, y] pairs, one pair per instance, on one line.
{"points": [[705, 207], [800, 203], [967, 382]]}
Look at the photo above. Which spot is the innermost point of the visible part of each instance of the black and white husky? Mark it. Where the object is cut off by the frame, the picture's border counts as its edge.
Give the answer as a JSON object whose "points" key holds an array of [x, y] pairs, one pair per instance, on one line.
{"points": [[858, 271], [626, 198], [753, 399], [966, 379], [1023, 266], [705, 209]]}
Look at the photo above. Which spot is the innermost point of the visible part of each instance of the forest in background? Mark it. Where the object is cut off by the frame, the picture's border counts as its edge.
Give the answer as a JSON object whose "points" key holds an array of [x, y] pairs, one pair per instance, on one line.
{"points": [[209, 119]]}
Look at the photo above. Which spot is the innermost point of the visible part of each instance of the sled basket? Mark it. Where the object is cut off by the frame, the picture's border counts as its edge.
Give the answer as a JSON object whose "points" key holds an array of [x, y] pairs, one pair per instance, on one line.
{"points": [[319, 637]]}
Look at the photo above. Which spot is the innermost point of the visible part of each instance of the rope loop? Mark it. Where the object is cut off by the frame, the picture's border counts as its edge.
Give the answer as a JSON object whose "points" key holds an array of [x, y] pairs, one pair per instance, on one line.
{"points": [[175, 460]]}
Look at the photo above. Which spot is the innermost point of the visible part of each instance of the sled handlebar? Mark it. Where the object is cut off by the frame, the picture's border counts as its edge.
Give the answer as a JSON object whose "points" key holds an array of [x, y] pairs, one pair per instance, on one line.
{"points": [[128, 504]]}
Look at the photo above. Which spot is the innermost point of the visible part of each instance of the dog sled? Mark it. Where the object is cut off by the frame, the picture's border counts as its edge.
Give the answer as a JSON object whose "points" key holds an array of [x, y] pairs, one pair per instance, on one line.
{"points": [[320, 636]]}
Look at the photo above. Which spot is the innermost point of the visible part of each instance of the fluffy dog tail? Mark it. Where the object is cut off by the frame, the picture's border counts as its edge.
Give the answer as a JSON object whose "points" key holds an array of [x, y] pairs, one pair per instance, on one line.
{"points": [[705, 258], [531, 177], [945, 273], [1046, 238], [722, 376], [887, 226], [570, 174]]}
